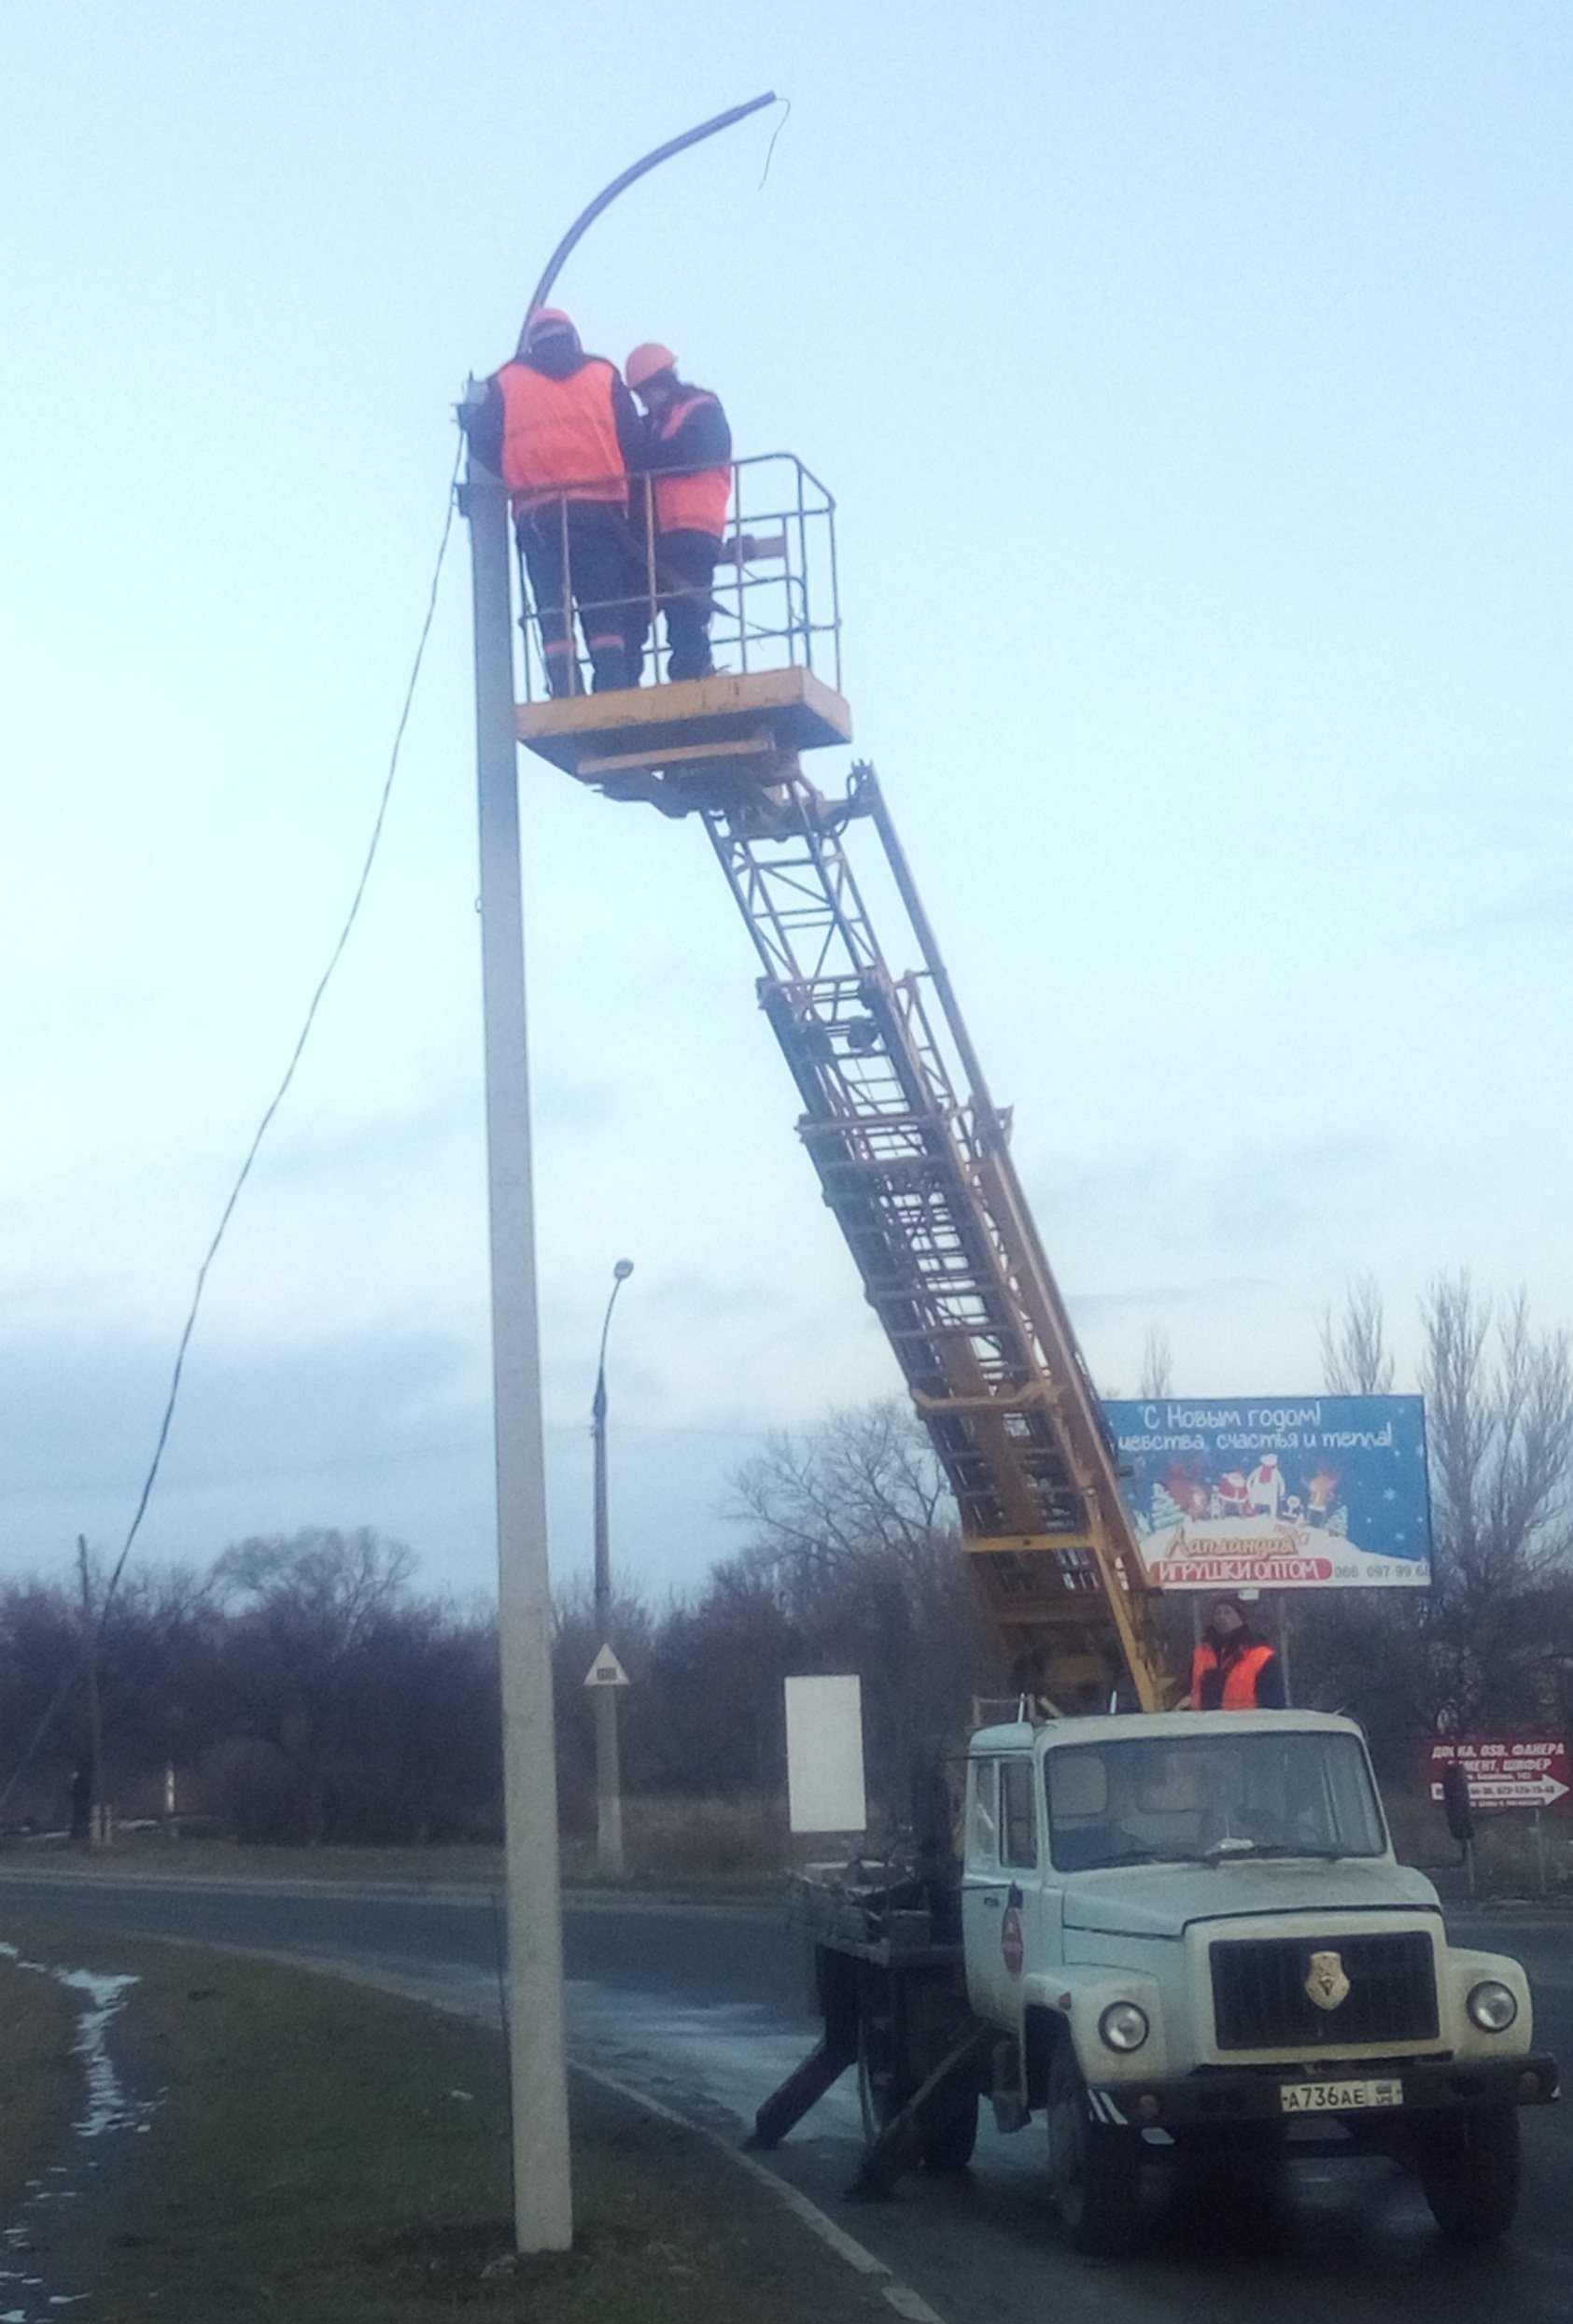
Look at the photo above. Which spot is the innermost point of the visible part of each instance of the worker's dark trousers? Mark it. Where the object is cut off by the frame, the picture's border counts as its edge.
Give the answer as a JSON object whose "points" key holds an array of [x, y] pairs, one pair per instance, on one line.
{"points": [[581, 558], [684, 568]]}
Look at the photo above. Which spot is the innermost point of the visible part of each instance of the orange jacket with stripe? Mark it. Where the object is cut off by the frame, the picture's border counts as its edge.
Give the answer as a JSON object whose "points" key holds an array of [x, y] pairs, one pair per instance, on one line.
{"points": [[560, 437], [688, 454], [1248, 1680]]}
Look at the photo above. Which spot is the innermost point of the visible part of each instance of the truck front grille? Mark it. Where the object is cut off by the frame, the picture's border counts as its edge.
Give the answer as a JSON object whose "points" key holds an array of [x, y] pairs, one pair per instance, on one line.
{"points": [[1261, 1991]]}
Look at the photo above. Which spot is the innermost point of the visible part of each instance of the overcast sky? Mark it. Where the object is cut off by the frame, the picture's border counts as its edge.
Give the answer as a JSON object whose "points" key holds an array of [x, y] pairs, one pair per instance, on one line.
{"points": [[1194, 380]]}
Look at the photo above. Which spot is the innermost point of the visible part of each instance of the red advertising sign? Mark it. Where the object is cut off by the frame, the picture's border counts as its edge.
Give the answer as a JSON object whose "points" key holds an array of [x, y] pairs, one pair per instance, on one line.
{"points": [[1506, 1771]]}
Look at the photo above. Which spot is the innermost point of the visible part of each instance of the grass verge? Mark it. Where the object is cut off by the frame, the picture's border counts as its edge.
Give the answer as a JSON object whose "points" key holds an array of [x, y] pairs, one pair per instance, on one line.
{"points": [[458, 1866], [39, 2080], [334, 2156]]}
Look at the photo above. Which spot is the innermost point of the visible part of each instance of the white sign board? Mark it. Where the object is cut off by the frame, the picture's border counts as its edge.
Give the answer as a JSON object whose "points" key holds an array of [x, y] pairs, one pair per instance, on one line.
{"points": [[825, 1755]]}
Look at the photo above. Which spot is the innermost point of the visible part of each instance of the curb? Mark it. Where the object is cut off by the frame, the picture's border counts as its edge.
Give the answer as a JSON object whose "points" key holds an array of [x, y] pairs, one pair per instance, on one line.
{"points": [[905, 2303]]}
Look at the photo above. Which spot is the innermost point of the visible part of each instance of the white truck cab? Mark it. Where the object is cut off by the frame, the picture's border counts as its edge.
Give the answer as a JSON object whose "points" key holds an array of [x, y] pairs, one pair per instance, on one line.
{"points": [[1190, 1930]]}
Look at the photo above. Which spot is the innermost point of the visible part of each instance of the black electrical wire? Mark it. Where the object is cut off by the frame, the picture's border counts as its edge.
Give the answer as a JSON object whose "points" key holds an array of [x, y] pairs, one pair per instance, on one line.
{"points": [[770, 153], [73, 1671]]}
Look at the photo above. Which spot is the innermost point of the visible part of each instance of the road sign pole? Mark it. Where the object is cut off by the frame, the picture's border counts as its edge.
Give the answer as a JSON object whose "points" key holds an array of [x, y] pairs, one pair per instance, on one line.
{"points": [[609, 1778], [542, 2194]]}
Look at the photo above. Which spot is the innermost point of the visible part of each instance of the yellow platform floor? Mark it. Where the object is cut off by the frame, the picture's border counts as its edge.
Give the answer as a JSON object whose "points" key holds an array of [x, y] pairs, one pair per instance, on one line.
{"points": [[740, 726]]}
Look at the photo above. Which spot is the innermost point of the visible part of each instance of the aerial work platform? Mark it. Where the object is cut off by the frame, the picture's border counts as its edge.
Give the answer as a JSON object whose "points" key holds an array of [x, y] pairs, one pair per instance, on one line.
{"points": [[673, 742], [775, 631]]}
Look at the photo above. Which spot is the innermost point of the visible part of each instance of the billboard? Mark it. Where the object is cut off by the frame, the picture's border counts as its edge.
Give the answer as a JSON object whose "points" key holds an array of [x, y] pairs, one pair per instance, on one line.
{"points": [[1278, 1493], [1506, 1771]]}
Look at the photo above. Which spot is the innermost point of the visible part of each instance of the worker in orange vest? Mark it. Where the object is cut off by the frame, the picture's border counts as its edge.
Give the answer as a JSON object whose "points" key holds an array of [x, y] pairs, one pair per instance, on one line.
{"points": [[560, 429], [687, 461], [1234, 1669]]}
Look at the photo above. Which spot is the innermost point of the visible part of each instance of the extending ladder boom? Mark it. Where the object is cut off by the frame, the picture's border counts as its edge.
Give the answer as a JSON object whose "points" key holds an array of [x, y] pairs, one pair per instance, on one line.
{"points": [[914, 1159]]}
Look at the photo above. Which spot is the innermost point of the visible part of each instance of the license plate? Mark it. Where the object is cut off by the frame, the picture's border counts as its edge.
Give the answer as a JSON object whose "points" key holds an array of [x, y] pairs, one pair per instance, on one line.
{"points": [[1337, 2097]]}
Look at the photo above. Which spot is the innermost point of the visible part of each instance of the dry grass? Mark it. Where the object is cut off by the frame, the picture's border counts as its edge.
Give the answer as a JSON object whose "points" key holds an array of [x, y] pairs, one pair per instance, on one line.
{"points": [[738, 1840], [37, 2076], [331, 2156], [1509, 1859]]}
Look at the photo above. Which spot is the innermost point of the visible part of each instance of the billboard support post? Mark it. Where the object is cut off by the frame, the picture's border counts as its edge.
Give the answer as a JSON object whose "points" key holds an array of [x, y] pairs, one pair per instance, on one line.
{"points": [[1284, 1663]]}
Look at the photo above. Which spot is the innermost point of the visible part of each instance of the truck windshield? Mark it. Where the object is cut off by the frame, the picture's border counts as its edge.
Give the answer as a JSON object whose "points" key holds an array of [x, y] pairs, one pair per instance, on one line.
{"points": [[1175, 1800]]}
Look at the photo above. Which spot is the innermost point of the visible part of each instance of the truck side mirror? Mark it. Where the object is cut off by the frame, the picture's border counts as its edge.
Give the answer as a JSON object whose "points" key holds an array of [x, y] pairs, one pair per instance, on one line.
{"points": [[1455, 1805]]}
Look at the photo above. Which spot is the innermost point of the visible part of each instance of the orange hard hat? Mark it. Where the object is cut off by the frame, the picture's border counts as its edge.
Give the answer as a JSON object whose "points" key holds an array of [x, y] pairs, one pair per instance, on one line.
{"points": [[646, 361], [544, 323]]}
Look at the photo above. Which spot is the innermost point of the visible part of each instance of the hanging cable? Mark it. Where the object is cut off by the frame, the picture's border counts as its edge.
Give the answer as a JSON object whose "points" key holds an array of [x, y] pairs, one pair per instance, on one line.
{"points": [[73, 1671], [770, 152]]}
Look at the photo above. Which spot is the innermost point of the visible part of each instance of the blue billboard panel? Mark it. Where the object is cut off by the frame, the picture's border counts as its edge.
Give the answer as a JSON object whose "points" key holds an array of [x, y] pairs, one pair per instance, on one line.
{"points": [[1282, 1493]]}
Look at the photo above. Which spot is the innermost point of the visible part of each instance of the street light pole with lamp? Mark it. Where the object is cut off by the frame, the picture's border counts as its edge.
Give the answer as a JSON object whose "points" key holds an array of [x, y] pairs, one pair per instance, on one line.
{"points": [[543, 2189], [609, 1784]]}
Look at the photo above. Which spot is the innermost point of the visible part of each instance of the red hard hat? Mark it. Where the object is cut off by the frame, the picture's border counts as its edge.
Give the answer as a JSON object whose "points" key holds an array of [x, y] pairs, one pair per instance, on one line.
{"points": [[646, 361]]}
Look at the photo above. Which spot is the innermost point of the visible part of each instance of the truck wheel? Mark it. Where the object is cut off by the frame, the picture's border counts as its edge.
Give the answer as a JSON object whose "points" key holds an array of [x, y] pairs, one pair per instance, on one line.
{"points": [[883, 2089], [1469, 2170], [950, 2131], [1094, 2168]]}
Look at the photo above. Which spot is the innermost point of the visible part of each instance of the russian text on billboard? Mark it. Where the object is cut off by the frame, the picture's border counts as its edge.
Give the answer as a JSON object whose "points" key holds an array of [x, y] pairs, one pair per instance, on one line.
{"points": [[1506, 1771], [1282, 1493]]}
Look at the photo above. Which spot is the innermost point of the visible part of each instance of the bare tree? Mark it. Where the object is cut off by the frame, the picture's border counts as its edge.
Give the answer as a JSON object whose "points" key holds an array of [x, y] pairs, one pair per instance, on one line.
{"points": [[851, 1528], [1157, 1364], [302, 1611], [1355, 1360], [1499, 1406]]}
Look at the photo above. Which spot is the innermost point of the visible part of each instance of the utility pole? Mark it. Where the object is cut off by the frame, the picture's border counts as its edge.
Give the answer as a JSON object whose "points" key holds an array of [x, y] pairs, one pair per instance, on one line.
{"points": [[538, 2062], [97, 1820], [609, 1779], [542, 2192]]}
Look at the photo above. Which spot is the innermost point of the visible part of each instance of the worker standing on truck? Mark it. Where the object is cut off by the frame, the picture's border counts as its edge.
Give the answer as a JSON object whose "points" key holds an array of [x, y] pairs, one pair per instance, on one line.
{"points": [[687, 460], [1234, 1669], [559, 428]]}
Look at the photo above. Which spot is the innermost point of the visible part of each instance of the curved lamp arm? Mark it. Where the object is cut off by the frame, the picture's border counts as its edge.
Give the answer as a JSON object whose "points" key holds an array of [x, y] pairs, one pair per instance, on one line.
{"points": [[620, 1275], [586, 218]]}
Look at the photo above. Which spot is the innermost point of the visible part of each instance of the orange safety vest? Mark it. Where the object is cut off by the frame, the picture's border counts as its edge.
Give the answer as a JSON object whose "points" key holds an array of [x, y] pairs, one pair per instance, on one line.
{"points": [[695, 503], [1240, 1679], [559, 436]]}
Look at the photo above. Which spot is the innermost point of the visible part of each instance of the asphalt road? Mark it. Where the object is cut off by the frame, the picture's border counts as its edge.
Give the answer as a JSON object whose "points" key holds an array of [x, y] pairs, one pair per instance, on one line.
{"points": [[702, 2007]]}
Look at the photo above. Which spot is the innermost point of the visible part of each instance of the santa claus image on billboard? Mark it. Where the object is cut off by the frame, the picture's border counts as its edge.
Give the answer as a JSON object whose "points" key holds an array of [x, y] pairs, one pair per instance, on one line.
{"points": [[1266, 1487]]}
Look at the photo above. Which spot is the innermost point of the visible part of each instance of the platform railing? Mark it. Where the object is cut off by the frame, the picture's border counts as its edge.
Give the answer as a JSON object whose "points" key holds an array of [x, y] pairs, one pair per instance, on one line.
{"points": [[774, 595]]}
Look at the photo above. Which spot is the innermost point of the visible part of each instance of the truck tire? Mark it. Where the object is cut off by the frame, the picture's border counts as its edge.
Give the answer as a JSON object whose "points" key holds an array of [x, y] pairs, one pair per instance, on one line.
{"points": [[948, 2132], [1468, 2166], [1094, 2168]]}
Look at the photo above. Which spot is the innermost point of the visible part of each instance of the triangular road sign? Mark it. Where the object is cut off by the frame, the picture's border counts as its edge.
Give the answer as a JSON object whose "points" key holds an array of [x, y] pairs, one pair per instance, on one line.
{"points": [[606, 1670]]}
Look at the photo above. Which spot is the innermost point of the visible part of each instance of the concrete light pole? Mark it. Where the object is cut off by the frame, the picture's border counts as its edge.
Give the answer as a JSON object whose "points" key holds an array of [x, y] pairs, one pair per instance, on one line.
{"points": [[542, 2196], [543, 2193], [609, 1782]]}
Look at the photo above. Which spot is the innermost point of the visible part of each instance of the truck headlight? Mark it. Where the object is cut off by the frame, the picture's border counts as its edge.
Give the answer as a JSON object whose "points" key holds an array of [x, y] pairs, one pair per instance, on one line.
{"points": [[1123, 2026], [1493, 2006]]}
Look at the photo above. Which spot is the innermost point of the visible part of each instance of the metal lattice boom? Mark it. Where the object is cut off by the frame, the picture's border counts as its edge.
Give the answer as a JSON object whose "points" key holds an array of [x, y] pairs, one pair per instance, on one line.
{"points": [[914, 1161]]}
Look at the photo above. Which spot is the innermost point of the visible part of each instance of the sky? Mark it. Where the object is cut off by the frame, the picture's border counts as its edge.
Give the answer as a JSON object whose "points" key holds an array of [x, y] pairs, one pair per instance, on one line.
{"points": [[1193, 379]]}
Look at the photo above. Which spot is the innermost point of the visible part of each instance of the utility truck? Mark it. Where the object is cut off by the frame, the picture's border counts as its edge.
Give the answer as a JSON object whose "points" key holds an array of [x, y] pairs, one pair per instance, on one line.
{"points": [[1169, 1933], [1177, 1938]]}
